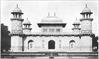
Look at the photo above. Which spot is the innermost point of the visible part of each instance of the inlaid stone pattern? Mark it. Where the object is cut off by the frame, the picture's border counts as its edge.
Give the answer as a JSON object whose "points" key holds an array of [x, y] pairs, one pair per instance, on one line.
{"points": [[16, 27]]}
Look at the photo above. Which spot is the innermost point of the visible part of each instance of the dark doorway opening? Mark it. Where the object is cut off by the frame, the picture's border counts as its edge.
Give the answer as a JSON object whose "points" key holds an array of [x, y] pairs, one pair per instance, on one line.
{"points": [[51, 44]]}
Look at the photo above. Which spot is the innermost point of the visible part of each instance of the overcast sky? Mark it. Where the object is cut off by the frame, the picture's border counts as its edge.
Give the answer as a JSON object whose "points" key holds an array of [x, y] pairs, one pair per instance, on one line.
{"points": [[35, 11]]}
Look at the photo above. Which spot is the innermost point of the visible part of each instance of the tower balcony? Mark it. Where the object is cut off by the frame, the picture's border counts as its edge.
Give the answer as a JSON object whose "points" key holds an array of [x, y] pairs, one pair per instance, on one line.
{"points": [[20, 19], [90, 19]]}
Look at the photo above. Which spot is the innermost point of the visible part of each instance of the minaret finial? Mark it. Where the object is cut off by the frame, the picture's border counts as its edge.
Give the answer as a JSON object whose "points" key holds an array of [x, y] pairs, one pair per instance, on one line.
{"points": [[17, 6], [54, 14], [86, 5], [48, 14], [27, 18], [76, 18]]}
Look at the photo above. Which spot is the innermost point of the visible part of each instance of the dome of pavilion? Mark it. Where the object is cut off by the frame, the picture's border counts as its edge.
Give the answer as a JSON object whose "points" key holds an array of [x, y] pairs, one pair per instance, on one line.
{"points": [[26, 21], [76, 21], [51, 19], [17, 9], [86, 9]]}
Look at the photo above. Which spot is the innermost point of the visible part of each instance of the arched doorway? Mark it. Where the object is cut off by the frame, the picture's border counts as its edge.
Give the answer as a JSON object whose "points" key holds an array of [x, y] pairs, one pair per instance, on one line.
{"points": [[51, 44]]}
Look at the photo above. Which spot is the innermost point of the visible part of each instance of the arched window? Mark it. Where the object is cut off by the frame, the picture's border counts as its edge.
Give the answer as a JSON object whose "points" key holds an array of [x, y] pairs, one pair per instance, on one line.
{"points": [[72, 43], [30, 44]]}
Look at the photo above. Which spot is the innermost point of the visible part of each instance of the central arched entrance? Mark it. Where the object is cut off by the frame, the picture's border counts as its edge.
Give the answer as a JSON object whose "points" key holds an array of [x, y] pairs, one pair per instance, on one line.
{"points": [[51, 44]]}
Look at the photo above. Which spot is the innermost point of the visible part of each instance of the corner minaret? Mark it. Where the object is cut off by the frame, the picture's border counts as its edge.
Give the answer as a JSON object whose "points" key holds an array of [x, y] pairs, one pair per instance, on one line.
{"points": [[17, 21], [86, 21], [26, 26], [16, 30], [76, 28]]}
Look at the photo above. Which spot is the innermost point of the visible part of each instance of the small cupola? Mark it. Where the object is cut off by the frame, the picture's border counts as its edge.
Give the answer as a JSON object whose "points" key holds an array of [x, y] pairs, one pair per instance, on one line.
{"points": [[26, 26], [26, 22], [76, 25], [77, 22]]}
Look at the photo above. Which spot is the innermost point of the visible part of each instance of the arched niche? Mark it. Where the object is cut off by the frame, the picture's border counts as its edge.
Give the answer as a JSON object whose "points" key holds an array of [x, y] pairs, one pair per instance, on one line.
{"points": [[30, 44], [72, 43]]}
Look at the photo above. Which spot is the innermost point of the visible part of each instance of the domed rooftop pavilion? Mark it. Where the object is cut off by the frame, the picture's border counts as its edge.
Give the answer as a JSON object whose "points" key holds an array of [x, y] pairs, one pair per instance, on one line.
{"points": [[51, 21]]}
